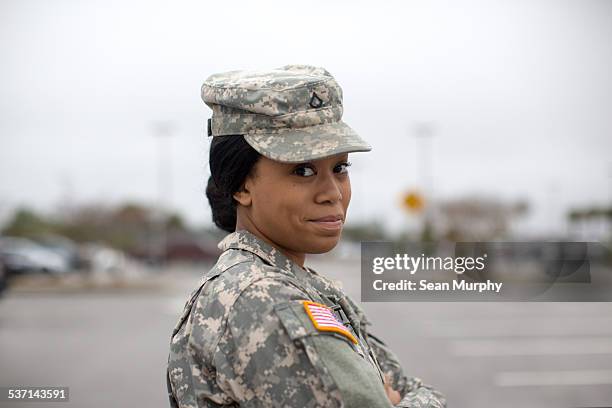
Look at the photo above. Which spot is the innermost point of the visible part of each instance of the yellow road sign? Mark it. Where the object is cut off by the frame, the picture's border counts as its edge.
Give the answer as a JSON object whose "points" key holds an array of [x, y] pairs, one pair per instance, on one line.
{"points": [[413, 201]]}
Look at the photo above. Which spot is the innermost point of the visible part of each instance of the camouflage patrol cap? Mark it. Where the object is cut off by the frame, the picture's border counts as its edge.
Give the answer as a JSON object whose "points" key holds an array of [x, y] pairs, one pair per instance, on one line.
{"points": [[289, 114]]}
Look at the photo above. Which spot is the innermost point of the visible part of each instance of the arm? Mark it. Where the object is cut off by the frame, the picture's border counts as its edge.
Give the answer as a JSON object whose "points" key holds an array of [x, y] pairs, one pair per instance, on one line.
{"points": [[414, 392], [271, 355], [389, 363]]}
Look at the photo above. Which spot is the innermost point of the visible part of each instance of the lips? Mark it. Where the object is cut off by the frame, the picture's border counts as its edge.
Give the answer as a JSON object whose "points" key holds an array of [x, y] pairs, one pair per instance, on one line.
{"points": [[329, 218]]}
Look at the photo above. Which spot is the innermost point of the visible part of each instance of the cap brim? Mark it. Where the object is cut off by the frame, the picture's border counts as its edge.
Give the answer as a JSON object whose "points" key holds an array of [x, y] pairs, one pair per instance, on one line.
{"points": [[295, 145]]}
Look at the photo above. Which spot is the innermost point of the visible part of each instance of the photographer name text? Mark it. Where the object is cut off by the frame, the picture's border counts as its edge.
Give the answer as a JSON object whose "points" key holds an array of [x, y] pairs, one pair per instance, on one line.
{"points": [[425, 285], [412, 265]]}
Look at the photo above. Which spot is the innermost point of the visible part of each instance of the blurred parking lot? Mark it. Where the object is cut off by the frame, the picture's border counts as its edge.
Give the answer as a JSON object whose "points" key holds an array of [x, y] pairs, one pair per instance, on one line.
{"points": [[109, 343]]}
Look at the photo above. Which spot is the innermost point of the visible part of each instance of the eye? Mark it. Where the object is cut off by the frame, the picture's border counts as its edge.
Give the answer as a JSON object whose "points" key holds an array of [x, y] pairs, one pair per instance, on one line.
{"points": [[304, 170], [342, 167]]}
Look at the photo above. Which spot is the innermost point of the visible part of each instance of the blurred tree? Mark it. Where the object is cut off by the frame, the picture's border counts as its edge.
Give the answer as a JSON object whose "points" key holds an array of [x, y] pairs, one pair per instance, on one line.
{"points": [[478, 218], [26, 223], [593, 223], [133, 214], [176, 223], [126, 227]]}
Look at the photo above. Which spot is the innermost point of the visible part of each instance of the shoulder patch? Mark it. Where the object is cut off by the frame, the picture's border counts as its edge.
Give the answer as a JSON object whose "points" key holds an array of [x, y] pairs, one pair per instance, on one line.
{"points": [[323, 319]]}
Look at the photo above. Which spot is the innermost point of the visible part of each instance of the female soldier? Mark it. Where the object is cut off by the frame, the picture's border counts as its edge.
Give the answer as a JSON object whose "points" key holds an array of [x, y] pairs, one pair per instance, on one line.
{"points": [[262, 330]]}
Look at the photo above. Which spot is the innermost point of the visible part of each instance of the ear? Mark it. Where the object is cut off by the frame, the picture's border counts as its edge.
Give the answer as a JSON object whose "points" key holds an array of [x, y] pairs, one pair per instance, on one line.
{"points": [[243, 196]]}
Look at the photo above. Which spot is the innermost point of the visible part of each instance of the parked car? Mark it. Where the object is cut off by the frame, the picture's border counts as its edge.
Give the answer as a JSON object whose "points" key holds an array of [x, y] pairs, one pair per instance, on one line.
{"points": [[62, 246], [101, 258], [3, 277], [20, 255]]}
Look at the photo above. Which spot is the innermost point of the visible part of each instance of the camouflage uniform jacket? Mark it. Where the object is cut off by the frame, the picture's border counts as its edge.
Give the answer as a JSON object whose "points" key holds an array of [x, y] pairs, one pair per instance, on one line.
{"points": [[245, 340]]}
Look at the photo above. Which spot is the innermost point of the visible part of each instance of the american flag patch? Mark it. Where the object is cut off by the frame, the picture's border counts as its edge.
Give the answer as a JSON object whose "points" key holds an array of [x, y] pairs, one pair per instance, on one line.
{"points": [[323, 319]]}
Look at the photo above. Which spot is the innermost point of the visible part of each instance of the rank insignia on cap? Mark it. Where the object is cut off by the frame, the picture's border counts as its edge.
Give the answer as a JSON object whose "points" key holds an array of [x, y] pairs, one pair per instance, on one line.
{"points": [[315, 101], [324, 320]]}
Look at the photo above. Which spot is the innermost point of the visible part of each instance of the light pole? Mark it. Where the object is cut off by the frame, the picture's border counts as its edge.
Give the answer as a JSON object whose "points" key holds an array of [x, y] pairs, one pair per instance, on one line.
{"points": [[163, 132], [424, 133]]}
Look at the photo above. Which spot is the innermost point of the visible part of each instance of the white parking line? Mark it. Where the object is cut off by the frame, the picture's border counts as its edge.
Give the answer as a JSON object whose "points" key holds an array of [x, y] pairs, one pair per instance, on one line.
{"points": [[531, 347], [542, 378], [553, 326]]}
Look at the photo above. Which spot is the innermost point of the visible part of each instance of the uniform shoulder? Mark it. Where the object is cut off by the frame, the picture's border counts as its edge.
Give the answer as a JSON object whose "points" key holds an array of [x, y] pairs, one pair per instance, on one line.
{"points": [[240, 280], [239, 271], [243, 276]]}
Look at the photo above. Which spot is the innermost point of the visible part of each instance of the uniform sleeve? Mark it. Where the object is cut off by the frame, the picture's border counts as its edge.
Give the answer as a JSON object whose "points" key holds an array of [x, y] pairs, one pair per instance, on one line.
{"points": [[267, 356], [414, 392], [422, 396]]}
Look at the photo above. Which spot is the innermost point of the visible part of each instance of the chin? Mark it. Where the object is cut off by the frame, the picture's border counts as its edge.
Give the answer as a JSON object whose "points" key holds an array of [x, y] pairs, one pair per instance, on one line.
{"points": [[321, 245]]}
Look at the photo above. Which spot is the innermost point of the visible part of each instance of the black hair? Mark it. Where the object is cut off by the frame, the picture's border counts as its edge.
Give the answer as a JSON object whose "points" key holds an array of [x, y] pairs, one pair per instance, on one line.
{"points": [[231, 162]]}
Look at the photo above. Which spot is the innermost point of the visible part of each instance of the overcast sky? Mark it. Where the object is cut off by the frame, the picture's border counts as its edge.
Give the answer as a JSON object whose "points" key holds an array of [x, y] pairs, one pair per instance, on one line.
{"points": [[519, 92]]}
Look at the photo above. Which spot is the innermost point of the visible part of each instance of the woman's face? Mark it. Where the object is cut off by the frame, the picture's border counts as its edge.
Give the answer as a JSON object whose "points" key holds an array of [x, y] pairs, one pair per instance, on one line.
{"points": [[301, 207]]}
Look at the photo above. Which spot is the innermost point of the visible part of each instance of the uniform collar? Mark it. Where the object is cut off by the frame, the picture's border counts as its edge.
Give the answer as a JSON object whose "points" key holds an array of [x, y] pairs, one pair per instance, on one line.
{"points": [[246, 240]]}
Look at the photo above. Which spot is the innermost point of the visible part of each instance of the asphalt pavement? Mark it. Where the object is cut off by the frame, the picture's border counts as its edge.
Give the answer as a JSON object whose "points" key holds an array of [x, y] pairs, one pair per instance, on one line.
{"points": [[109, 343]]}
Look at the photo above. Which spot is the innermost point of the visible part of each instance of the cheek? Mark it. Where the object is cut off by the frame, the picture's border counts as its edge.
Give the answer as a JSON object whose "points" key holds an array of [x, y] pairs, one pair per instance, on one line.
{"points": [[266, 201], [346, 193], [295, 198], [296, 208], [276, 205]]}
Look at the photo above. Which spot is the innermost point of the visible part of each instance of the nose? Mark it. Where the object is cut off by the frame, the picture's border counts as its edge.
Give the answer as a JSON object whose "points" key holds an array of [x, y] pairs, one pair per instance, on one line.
{"points": [[329, 189]]}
